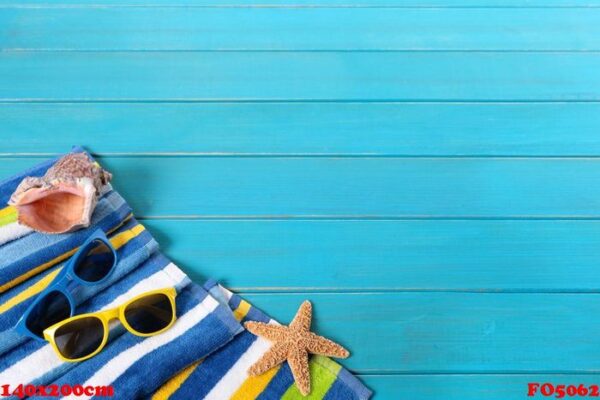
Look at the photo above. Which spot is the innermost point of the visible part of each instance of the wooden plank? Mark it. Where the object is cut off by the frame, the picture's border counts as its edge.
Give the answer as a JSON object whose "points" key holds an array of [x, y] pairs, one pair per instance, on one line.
{"points": [[360, 186], [280, 255], [471, 387], [348, 187], [301, 3], [303, 76], [439, 129], [520, 29], [453, 332]]}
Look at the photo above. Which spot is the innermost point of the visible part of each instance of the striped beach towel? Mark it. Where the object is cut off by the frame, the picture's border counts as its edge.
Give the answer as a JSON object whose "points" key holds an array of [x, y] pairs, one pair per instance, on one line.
{"points": [[223, 374], [205, 355]]}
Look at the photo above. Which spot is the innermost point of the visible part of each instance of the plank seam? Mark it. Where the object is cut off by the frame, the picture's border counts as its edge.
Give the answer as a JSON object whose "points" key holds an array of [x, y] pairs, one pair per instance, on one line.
{"points": [[365, 218], [287, 101], [291, 6], [257, 50], [376, 372], [378, 291], [591, 157], [12, 101]]}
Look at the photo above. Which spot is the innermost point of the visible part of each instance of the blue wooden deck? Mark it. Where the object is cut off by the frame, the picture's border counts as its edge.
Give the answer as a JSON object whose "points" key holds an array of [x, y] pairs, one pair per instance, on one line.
{"points": [[426, 171]]}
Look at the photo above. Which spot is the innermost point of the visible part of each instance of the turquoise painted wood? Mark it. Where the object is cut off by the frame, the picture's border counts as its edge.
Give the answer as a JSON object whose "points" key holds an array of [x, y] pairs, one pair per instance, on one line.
{"points": [[425, 171], [361, 187], [299, 76], [301, 29], [391, 255], [265, 129], [354, 187], [301, 3]]}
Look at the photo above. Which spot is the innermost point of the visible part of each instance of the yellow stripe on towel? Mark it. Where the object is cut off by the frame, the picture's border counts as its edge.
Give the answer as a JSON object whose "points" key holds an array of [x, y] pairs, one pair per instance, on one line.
{"points": [[35, 271], [175, 382], [6, 211], [242, 310], [8, 215], [122, 238], [117, 241], [254, 385], [30, 291]]}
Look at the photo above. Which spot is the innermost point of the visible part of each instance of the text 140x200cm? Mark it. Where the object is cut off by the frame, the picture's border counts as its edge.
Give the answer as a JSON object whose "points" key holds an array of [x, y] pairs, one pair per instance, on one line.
{"points": [[21, 391]]}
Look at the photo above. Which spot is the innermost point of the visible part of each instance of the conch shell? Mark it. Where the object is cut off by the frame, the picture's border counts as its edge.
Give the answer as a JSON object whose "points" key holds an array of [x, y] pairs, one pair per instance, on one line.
{"points": [[64, 199]]}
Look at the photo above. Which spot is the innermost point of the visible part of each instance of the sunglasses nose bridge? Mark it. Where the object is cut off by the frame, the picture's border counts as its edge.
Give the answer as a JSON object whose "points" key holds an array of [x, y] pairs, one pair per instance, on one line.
{"points": [[109, 315]]}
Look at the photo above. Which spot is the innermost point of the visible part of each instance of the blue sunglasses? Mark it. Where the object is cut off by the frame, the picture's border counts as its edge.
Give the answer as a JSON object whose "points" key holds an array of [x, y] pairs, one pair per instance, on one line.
{"points": [[92, 264]]}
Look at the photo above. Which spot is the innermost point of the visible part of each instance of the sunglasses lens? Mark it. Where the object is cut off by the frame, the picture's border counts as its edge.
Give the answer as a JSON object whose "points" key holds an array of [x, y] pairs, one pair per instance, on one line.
{"points": [[96, 263], [79, 338], [52, 308], [150, 314]]}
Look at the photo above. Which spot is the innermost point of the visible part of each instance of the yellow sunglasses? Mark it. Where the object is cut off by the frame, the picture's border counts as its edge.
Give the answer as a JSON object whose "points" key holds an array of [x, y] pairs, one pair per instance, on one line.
{"points": [[83, 336]]}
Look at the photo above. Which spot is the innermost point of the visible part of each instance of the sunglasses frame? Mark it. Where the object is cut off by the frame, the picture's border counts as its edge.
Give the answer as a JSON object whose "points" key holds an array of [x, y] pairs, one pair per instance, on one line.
{"points": [[106, 316], [67, 280]]}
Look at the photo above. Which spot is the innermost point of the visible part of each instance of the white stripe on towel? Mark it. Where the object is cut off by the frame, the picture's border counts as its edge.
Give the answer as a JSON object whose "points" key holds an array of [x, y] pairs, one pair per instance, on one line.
{"points": [[237, 374], [118, 365], [44, 360], [32, 367], [13, 231], [228, 293]]}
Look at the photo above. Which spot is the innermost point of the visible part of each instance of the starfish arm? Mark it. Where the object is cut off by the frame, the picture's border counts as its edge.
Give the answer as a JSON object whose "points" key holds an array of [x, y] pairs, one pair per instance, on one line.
{"points": [[273, 357], [316, 344], [274, 333], [303, 317], [298, 361]]}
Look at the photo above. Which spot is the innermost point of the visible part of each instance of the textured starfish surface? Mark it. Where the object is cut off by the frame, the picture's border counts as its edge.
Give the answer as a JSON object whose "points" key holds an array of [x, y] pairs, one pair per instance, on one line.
{"points": [[293, 343]]}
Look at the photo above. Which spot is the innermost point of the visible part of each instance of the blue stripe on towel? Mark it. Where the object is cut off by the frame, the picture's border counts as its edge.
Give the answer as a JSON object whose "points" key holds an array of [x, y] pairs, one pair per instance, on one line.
{"points": [[234, 301], [209, 372], [346, 386], [254, 314], [280, 383]]}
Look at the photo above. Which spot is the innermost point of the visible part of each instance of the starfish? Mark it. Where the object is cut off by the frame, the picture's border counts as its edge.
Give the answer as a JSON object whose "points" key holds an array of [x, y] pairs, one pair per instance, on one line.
{"points": [[293, 343]]}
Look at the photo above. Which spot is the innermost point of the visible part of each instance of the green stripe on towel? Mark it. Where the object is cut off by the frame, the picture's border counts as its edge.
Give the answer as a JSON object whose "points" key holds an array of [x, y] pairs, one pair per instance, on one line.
{"points": [[8, 219], [323, 372]]}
